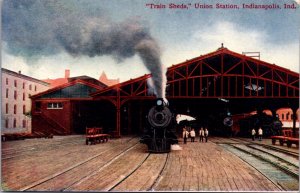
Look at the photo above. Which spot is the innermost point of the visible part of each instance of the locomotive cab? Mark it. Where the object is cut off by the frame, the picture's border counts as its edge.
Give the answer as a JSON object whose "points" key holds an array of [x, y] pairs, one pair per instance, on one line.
{"points": [[159, 136]]}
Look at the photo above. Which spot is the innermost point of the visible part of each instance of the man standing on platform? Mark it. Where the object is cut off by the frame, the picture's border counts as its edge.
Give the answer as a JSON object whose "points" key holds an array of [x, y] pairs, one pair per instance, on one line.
{"points": [[201, 134], [185, 135], [253, 132], [206, 134], [260, 133], [193, 135]]}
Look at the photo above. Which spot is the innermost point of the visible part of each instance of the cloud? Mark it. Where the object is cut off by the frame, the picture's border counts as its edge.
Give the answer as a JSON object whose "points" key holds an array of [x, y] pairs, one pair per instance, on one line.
{"points": [[35, 28], [241, 40]]}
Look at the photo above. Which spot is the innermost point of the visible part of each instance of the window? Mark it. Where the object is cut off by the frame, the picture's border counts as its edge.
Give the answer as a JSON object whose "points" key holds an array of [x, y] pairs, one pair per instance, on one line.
{"points": [[6, 123], [38, 106], [54, 106], [15, 95], [24, 123], [15, 83], [35, 88], [15, 123], [24, 109], [6, 108], [282, 117], [30, 87], [287, 116], [7, 93], [15, 109], [23, 85], [6, 81], [23, 96]]}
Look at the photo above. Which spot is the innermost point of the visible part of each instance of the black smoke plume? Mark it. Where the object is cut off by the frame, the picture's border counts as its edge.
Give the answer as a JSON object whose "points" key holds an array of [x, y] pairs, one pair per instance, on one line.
{"points": [[34, 28]]}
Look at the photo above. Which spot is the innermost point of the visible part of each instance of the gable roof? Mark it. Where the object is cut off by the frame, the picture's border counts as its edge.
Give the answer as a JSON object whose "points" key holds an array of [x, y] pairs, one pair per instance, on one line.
{"points": [[72, 83], [116, 86], [218, 52], [224, 50]]}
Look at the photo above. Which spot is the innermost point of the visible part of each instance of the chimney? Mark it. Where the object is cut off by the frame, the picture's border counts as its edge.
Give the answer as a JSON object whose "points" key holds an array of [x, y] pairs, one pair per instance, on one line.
{"points": [[19, 71], [67, 73]]}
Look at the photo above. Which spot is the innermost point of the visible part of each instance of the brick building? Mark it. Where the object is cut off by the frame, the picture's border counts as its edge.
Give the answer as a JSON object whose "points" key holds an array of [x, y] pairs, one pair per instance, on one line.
{"points": [[16, 104], [68, 108], [60, 81]]}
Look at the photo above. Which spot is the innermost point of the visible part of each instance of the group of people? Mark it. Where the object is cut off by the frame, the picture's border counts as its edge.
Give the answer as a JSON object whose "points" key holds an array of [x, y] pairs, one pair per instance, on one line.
{"points": [[203, 134], [260, 133]]}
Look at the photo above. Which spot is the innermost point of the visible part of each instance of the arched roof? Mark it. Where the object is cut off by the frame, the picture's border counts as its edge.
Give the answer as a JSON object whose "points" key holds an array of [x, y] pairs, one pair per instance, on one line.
{"points": [[219, 74]]}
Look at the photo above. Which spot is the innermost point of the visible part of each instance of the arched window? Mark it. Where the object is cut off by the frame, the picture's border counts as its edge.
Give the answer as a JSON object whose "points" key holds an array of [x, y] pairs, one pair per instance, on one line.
{"points": [[6, 108], [15, 109], [24, 109]]}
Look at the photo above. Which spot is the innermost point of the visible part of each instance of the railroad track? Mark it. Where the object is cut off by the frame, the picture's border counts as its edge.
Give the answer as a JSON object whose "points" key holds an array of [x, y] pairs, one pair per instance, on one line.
{"points": [[140, 176], [271, 147], [141, 179], [281, 172], [9, 153], [159, 177], [76, 166], [278, 162]]}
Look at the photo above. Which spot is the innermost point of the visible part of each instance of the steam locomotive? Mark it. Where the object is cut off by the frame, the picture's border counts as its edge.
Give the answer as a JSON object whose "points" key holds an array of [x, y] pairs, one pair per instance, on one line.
{"points": [[159, 134]]}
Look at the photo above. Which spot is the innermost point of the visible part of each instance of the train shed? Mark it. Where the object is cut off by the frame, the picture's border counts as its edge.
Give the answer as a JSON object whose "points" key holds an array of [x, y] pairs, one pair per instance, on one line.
{"points": [[219, 82]]}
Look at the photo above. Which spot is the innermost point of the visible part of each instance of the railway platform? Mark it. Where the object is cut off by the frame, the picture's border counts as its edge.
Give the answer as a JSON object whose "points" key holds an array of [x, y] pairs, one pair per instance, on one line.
{"points": [[65, 163]]}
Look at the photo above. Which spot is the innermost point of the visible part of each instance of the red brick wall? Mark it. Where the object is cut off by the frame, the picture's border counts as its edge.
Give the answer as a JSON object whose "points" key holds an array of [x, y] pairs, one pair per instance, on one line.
{"points": [[59, 116]]}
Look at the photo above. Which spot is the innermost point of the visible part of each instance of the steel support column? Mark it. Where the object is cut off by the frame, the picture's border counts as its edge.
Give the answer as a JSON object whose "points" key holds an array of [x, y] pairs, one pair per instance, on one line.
{"points": [[129, 125], [118, 115], [294, 117]]}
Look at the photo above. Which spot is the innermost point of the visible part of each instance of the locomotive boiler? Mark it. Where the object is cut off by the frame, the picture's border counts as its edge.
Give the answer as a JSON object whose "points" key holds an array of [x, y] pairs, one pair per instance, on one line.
{"points": [[159, 134]]}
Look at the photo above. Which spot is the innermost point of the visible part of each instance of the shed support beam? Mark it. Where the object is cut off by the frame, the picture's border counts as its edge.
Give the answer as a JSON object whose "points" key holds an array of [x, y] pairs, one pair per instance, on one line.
{"points": [[294, 117]]}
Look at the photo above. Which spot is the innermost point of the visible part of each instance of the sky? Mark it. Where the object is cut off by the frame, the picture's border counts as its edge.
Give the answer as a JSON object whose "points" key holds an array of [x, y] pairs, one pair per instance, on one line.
{"points": [[42, 38]]}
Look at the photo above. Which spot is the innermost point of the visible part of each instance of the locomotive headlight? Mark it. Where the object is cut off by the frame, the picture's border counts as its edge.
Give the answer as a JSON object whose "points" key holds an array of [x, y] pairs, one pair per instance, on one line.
{"points": [[159, 102]]}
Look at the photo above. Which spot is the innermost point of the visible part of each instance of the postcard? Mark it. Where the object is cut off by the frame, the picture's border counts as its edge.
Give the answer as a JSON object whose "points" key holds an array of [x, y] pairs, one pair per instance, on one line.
{"points": [[150, 95]]}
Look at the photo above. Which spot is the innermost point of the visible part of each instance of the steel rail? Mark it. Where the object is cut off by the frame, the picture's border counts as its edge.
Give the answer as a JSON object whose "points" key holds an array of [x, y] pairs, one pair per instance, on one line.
{"points": [[271, 147], [287, 171], [50, 177], [157, 180]]}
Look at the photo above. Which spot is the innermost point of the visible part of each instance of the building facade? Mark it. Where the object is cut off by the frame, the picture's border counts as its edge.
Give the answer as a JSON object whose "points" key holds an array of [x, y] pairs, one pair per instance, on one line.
{"points": [[68, 108], [16, 103]]}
